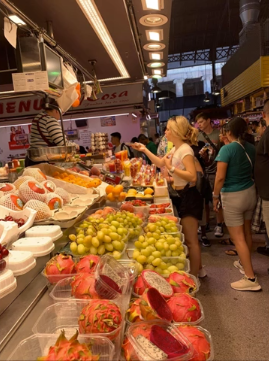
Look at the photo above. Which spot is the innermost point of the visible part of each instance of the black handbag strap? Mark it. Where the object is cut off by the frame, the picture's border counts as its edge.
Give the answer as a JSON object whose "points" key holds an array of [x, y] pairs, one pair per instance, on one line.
{"points": [[209, 140]]}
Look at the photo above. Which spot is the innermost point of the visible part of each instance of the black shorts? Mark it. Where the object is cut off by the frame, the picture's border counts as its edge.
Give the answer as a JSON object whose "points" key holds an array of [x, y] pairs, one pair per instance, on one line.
{"points": [[190, 203]]}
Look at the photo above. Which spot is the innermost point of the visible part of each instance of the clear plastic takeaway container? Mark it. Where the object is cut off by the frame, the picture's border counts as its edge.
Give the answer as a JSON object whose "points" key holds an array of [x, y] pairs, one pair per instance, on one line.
{"points": [[38, 345], [134, 331], [207, 336], [64, 316]]}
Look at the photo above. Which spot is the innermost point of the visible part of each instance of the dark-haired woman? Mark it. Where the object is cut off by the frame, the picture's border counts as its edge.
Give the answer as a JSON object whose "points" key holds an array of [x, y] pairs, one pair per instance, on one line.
{"points": [[46, 131], [234, 182]]}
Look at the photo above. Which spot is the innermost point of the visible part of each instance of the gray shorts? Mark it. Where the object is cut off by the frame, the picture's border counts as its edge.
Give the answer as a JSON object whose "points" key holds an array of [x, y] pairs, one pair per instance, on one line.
{"points": [[238, 206]]}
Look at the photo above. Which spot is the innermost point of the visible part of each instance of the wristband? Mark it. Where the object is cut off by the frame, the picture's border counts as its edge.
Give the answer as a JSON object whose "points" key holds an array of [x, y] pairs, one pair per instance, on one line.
{"points": [[172, 170], [215, 196]]}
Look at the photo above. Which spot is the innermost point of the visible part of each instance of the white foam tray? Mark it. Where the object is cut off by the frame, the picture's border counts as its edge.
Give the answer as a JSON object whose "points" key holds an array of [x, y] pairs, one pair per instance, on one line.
{"points": [[8, 283], [39, 246], [54, 232], [20, 262]]}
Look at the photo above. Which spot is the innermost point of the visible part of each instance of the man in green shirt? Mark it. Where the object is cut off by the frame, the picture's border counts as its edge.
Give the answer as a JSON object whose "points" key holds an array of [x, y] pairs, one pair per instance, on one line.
{"points": [[151, 146]]}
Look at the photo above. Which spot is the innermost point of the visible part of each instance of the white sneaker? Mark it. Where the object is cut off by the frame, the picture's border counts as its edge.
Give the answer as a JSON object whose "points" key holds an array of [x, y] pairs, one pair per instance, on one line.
{"points": [[219, 231], [199, 230], [238, 265], [202, 272], [246, 284]]}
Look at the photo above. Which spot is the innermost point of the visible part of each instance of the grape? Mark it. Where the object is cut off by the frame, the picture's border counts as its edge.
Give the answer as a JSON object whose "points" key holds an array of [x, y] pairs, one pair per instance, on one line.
{"points": [[95, 242], [156, 254], [81, 249], [136, 253], [150, 267], [149, 234], [183, 255], [145, 244], [72, 237], [80, 236], [162, 229], [156, 235], [166, 246], [138, 244], [74, 247], [170, 240], [150, 259], [158, 270], [175, 253], [180, 266], [116, 255], [87, 241], [163, 265], [93, 250], [109, 247], [145, 252], [151, 241], [101, 250], [80, 241], [100, 236], [120, 231], [107, 239], [181, 260], [113, 229], [139, 268], [119, 246], [173, 247], [115, 224], [156, 262], [141, 259], [172, 268], [168, 253], [166, 272], [159, 246]]}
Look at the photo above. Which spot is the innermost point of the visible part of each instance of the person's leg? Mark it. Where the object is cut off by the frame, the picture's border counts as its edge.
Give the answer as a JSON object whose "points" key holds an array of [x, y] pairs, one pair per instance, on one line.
{"points": [[207, 211], [265, 214], [248, 233], [238, 236], [189, 228]]}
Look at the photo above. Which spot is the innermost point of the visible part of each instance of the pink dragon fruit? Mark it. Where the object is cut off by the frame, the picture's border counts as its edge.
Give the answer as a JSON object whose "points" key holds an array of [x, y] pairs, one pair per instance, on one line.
{"points": [[139, 286], [59, 267], [87, 264], [184, 308], [128, 350], [181, 282], [100, 316], [199, 342], [151, 306], [154, 280], [69, 350], [83, 287]]}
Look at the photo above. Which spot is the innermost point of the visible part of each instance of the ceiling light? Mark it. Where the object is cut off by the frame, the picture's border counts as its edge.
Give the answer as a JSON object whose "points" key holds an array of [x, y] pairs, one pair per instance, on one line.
{"points": [[156, 56], [156, 89], [97, 116], [15, 19], [207, 97], [155, 64], [156, 76], [154, 46], [154, 35], [145, 77], [94, 17], [134, 115], [216, 90], [157, 72], [153, 20], [158, 105], [153, 4]]}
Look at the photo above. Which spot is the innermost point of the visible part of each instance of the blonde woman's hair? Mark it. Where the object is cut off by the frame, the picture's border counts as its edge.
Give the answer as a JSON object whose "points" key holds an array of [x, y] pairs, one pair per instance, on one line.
{"points": [[180, 127]]}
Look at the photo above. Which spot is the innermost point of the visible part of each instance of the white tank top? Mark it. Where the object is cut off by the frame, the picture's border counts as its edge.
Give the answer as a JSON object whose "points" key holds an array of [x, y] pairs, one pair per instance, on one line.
{"points": [[177, 161]]}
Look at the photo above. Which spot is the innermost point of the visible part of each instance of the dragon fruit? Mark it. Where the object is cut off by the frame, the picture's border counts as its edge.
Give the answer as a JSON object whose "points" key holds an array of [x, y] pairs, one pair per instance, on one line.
{"points": [[139, 286], [87, 264], [128, 350], [83, 287], [69, 350], [167, 343], [154, 306], [181, 282], [58, 267], [100, 316], [199, 342], [154, 280], [184, 308], [134, 312]]}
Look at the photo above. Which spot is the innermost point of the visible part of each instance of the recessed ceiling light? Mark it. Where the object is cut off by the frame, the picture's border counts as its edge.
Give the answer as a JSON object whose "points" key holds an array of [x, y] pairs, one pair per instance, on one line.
{"points": [[156, 56], [145, 77], [95, 19], [154, 35], [156, 76], [154, 46], [153, 4], [155, 64], [157, 72], [153, 20], [15, 19]]}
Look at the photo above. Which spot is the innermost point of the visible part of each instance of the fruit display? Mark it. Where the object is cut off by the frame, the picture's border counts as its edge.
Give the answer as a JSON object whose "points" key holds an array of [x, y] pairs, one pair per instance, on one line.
{"points": [[83, 287], [99, 143], [115, 193], [127, 220], [49, 186], [182, 282], [43, 211], [7, 188], [100, 316], [73, 179], [8, 218], [32, 190], [135, 194], [3, 254], [163, 225], [201, 346], [184, 308], [54, 201], [11, 201], [36, 173], [64, 195], [160, 208], [69, 350], [155, 218], [150, 279], [87, 264], [59, 267]]}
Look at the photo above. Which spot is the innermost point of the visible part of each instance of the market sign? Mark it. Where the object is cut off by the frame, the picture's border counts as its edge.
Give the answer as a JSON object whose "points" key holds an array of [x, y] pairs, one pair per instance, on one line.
{"points": [[129, 94]]}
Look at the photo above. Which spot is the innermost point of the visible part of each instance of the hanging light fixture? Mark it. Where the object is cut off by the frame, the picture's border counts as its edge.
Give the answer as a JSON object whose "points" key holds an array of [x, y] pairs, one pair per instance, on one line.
{"points": [[158, 105], [155, 88], [216, 89], [207, 97]]}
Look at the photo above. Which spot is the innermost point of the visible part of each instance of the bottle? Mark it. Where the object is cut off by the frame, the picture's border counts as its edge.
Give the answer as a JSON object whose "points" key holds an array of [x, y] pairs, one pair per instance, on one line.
{"points": [[12, 173]]}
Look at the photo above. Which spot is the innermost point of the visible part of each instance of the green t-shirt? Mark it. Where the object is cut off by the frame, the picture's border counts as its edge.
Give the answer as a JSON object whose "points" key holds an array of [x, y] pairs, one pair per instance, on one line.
{"points": [[239, 170], [151, 146]]}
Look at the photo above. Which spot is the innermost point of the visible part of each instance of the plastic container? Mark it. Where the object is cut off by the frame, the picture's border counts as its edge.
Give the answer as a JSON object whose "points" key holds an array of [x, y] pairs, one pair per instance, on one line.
{"points": [[199, 320], [207, 336], [39, 246], [52, 280], [168, 327], [9, 232], [110, 269], [54, 232], [21, 262], [8, 283], [38, 345], [161, 191], [64, 316]]}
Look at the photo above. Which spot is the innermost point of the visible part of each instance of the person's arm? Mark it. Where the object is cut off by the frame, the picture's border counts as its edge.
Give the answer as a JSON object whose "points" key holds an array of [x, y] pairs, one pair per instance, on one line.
{"points": [[219, 182], [189, 164], [55, 131], [159, 162]]}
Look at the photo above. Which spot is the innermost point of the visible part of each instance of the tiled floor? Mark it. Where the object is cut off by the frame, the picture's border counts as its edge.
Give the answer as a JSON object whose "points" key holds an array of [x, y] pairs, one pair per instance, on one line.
{"points": [[237, 321]]}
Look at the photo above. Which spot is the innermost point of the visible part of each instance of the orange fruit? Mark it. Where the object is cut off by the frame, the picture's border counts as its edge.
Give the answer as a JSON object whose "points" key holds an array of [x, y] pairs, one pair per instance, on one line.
{"points": [[110, 197], [109, 189], [117, 189], [122, 196]]}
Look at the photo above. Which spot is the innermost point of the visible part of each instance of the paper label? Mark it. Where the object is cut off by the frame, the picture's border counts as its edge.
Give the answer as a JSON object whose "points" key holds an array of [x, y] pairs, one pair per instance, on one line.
{"points": [[29, 81], [10, 32]]}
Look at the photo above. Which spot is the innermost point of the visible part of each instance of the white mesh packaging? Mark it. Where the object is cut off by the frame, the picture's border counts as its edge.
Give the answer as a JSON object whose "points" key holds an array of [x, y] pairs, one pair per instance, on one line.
{"points": [[32, 190], [49, 186], [37, 174], [11, 201], [54, 201], [43, 211], [21, 180], [7, 188], [64, 195]]}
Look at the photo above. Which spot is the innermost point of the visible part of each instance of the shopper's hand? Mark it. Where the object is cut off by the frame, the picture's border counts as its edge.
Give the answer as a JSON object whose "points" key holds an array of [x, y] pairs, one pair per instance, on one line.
{"points": [[216, 204], [139, 147]]}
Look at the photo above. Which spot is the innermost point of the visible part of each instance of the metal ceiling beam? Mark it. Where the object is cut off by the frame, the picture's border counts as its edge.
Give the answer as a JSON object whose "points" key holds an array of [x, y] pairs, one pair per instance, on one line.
{"points": [[14, 10]]}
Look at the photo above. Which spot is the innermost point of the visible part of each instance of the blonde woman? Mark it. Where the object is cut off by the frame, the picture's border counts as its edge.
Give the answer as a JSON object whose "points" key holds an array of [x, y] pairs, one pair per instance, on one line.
{"points": [[180, 163]]}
